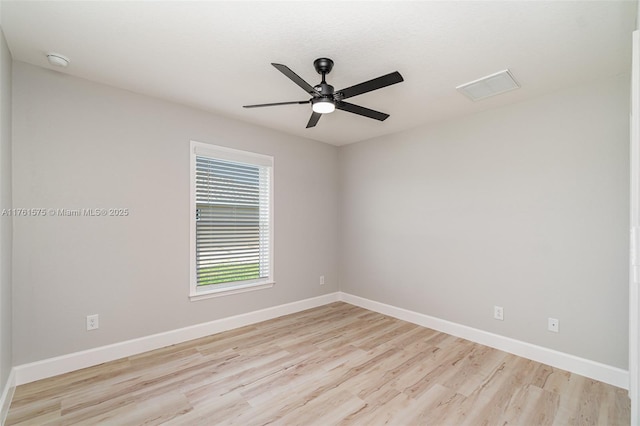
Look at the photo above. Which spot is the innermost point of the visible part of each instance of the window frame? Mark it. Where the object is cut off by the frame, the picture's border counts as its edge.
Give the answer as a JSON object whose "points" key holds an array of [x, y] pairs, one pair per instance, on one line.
{"points": [[229, 154]]}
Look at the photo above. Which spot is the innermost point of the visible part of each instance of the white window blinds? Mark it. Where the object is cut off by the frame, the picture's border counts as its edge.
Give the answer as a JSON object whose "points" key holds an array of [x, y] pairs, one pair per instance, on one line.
{"points": [[232, 220]]}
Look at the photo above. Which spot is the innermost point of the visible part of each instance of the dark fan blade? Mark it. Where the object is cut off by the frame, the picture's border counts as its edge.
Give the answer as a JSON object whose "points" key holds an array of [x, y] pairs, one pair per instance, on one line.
{"points": [[314, 119], [357, 109], [368, 86], [277, 103], [296, 79]]}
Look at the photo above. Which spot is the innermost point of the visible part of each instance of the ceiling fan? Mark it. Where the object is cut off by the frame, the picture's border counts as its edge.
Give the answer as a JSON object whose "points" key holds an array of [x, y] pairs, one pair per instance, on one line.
{"points": [[325, 100]]}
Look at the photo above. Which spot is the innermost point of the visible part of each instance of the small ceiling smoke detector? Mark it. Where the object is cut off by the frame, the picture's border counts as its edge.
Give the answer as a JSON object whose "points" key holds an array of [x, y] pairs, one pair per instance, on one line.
{"points": [[57, 60], [490, 85]]}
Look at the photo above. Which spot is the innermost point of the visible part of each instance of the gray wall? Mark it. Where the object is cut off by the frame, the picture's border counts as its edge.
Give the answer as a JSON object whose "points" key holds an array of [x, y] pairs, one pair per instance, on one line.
{"points": [[525, 207], [79, 144], [6, 236]]}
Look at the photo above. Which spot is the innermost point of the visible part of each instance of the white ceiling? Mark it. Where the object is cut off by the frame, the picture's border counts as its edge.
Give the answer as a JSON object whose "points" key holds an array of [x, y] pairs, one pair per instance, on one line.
{"points": [[216, 55]]}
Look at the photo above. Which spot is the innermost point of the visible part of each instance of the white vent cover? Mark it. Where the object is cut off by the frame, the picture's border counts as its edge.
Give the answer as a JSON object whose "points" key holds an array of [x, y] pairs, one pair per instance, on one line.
{"points": [[490, 85]]}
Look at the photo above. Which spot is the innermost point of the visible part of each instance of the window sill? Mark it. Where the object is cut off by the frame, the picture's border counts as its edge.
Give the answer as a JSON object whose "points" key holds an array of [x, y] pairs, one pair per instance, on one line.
{"points": [[227, 291]]}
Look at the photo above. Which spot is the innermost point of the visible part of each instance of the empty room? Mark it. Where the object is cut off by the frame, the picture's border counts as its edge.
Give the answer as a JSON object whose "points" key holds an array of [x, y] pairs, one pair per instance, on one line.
{"points": [[319, 212]]}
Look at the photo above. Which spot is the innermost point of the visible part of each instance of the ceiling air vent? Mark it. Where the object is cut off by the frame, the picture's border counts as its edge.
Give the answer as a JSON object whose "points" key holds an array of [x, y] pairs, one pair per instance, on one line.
{"points": [[490, 85]]}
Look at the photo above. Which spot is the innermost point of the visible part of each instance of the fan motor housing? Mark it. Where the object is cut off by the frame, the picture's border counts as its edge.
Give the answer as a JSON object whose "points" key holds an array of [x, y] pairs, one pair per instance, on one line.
{"points": [[326, 90]]}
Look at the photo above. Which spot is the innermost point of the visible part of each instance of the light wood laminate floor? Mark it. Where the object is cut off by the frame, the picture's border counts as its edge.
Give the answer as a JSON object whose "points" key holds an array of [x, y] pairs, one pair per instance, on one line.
{"points": [[336, 364]]}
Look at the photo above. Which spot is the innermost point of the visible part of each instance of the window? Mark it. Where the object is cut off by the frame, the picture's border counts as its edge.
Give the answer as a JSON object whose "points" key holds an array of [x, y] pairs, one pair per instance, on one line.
{"points": [[231, 221]]}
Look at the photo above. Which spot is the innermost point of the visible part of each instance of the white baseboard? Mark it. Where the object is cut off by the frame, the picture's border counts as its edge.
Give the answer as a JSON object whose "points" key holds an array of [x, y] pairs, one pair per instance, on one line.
{"points": [[7, 395], [27, 373], [63, 364], [584, 367]]}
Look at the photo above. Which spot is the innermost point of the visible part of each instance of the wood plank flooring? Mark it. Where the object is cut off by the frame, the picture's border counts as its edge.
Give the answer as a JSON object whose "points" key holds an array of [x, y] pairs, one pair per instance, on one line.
{"points": [[336, 364]]}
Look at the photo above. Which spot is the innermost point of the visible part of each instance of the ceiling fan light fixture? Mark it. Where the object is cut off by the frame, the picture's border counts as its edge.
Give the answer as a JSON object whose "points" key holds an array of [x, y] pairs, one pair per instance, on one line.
{"points": [[325, 99], [323, 105]]}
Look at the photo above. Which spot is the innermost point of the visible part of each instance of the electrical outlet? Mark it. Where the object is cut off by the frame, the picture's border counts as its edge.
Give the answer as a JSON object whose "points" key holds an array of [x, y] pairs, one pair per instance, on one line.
{"points": [[554, 325], [498, 313], [92, 322], [321, 279]]}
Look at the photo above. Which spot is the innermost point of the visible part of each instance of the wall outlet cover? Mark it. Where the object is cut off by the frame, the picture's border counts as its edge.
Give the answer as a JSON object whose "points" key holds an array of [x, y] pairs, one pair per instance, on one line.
{"points": [[93, 322]]}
